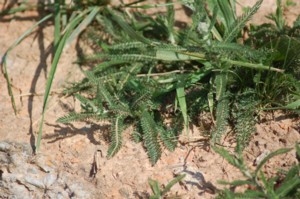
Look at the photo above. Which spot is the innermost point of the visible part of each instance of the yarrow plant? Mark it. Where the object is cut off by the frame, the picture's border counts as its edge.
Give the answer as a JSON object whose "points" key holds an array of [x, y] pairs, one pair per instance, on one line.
{"points": [[156, 78]]}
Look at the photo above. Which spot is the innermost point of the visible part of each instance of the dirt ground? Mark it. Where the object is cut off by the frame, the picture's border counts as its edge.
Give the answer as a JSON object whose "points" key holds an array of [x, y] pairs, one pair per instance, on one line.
{"points": [[72, 161]]}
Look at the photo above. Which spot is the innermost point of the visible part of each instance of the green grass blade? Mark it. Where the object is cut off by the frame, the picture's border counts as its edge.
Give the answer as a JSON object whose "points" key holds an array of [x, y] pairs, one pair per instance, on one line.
{"points": [[155, 187], [56, 58], [131, 32], [4, 58], [170, 24], [57, 21], [10, 92], [21, 8], [279, 19], [28, 32], [172, 183], [227, 13], [239, 24], [183, 108], [82, 26]]}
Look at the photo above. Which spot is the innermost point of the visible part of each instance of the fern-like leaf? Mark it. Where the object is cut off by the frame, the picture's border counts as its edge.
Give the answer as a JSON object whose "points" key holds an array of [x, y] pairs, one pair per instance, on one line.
{"points": [[121, 110], [127, 46], [144, 97], [150, 135], [127, 57], [222, 112], [243, 113], [106, 96], [220, 81], [168, 137], [108, 64], [87, 104], [116, 137], [136, 136]]}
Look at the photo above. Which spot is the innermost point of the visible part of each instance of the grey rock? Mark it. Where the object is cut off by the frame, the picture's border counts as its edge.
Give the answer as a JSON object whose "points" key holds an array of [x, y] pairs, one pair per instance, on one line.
{"points": [[25, 176]]}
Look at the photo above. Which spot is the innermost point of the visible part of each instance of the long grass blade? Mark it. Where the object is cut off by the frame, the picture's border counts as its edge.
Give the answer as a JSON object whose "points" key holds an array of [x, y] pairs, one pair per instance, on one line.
{"points": [[155, 188], [56, 58], [82, 26], [4, 58], [227, 13], [57, 22]]}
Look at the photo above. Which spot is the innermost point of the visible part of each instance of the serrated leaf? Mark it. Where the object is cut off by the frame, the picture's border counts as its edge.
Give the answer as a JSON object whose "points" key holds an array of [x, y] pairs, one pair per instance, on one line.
{"points": [[116, 142], [150, 137]]}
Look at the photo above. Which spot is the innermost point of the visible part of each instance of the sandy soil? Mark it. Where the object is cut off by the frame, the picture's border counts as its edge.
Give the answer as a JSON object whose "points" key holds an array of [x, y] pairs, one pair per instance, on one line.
{"points": [[72, 161]]}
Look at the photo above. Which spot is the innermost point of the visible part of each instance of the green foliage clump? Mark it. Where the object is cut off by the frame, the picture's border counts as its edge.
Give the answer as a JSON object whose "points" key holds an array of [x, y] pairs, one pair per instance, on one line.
{"points": [[124, 100], [148, 70], [139, 71]]}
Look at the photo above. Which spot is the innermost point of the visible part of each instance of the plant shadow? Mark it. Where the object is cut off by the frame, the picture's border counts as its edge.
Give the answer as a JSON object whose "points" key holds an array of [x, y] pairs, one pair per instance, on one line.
{"points": [[63, 132]]}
